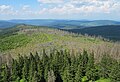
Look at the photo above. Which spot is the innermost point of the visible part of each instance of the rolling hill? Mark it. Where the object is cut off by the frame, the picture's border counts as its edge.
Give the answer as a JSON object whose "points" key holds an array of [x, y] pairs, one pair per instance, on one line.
{"points": [[111, 32], [62, 24], [23, 39], [38, 53], [66, 23], [6, 24]]}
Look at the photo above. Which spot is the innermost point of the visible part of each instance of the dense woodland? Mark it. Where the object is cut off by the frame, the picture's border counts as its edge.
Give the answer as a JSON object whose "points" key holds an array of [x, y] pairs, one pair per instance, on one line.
{"points": [[111, 32], [60, 66]]}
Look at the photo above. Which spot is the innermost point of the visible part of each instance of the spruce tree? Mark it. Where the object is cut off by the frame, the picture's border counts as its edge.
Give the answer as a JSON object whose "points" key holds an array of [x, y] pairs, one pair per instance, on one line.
{"points": [[14, 72], [78, 74], [5, 74], [20, 65], [115, 72], [25, 71], [46, 73], [31, 70], [66, 76], [90, 70], [35, 77], [105, 66], [40, 70], [84, 60], [72, 71]]}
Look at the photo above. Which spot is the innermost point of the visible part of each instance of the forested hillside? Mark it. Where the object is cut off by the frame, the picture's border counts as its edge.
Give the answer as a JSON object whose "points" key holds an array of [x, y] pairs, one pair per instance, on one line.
{"points": [[23, 39], [41, 54], [111, 32], [59, 40]]}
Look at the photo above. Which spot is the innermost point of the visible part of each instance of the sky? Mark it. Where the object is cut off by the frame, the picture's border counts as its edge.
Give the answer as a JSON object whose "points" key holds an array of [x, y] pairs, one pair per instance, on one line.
{"points": [[60, 9]]}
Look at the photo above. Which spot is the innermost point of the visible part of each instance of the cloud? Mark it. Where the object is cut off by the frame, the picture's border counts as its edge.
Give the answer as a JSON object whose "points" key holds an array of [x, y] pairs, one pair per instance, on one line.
{"points": [[4, 8], [50, 1], [9, 10], [83, 7], [70, 7], [64, 8], [26, 8]]}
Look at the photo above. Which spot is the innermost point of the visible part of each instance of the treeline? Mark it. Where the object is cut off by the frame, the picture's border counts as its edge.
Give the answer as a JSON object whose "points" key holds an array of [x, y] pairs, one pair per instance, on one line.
{"points": [[60, 66]]}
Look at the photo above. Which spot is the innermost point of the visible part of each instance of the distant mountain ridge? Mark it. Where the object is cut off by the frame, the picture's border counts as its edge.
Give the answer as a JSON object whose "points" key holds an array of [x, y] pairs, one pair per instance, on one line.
{"points": [[62, 24], [66, 23], [105, 28], [6, 24]]}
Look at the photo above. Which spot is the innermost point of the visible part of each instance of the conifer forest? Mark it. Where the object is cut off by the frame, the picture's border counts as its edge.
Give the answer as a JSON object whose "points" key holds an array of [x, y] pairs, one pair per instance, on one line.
{"points": [[60, 66]]}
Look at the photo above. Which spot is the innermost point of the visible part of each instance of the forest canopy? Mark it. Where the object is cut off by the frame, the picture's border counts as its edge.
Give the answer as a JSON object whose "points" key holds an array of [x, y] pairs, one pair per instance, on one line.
{"points": [[60, 66]]}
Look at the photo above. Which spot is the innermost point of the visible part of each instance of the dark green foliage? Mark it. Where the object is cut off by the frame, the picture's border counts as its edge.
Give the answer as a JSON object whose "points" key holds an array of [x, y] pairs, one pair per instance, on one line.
{"points": [[115, 72], [91, 71], [60, 66], [106, 65], [14, 74], [84, 61], [5, 74], [78, 74], [111, 32]]}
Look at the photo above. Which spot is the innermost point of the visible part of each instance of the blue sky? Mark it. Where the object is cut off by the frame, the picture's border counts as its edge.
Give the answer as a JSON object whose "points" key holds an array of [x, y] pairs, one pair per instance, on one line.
{"points": [[60, 9]]}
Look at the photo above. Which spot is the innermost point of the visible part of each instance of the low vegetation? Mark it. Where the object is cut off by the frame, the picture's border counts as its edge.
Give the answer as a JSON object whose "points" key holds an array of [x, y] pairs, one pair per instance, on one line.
{"points": [[13, 42]]}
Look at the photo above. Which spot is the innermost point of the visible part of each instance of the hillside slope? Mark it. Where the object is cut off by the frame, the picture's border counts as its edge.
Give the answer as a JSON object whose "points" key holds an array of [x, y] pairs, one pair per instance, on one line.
{"points": [[6, 24], [24, 39], [111, 32]]}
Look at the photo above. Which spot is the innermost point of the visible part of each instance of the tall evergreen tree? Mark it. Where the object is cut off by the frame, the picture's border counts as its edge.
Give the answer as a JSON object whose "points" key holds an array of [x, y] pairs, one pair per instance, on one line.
{"points": [[32, 67], [115, 72], [40, 71], [91, 70], [78, 74], [84, 60], [5, 74], [46, 73], [105, 66], [35, 77], [25, 70], [65, 75], [20, 64], [14, 74]]}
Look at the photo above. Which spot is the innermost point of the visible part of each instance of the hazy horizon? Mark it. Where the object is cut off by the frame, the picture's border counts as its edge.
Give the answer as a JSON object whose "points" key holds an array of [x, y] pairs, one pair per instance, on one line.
{"points": [[60, 9], [64, 19]]}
